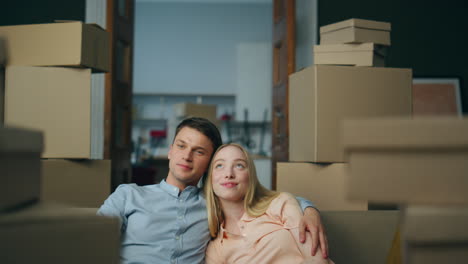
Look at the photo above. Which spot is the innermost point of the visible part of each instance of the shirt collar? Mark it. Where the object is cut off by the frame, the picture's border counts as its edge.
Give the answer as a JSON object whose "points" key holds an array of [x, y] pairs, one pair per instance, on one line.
{"points": [[174, 191], [224, 234]]}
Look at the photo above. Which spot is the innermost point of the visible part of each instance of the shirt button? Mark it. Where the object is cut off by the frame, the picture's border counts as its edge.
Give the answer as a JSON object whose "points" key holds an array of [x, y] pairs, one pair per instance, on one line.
{"points": [[177, 237], [179, 217], [173, 261]]}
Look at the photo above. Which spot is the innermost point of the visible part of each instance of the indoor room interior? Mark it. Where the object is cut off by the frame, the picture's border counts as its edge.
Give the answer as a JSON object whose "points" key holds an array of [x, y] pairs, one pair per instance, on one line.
{"points": [[357, 107]]}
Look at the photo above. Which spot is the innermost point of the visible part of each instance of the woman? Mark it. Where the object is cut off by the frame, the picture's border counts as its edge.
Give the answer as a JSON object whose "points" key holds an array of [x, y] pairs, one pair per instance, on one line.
{"points": [[249, 223]]}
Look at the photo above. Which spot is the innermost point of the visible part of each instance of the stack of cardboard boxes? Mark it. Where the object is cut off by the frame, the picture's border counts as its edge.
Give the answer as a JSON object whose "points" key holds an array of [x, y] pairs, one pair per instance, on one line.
{"points": [[48, 87], [34, 231], [47, 96], [420, 163], [344, 83], [356, 42], [320, 96]]}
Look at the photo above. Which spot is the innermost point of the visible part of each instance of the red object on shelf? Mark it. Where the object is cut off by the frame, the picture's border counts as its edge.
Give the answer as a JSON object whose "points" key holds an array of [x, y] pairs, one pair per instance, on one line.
{"points": [[226, 117], [158, 133]]}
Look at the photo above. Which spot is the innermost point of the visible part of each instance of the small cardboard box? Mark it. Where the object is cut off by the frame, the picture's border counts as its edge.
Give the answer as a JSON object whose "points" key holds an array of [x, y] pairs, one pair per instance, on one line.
{"points": [[356, 31], [365, 54], [58, 44], [320, 96], [323, 184], [79, 183], [358, 237], [20, 166], [48, 233], [57, 101], [404, 160], [435, 234], [184, 110]]}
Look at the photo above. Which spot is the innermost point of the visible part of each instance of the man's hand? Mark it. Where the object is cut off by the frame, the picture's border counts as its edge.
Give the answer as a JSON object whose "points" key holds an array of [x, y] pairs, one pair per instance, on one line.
{"points": [[312, 222]]}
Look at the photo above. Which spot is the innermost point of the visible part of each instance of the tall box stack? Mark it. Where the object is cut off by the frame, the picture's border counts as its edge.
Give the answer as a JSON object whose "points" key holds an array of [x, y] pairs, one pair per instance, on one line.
{"points": [[419, 163], [48, 87], [56, 99], [33, 231], [347, 80]]}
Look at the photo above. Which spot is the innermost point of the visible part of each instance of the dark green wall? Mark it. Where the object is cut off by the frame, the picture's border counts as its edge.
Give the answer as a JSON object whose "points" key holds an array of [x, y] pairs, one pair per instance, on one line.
{"points": [[16, 12], [430, 37]]}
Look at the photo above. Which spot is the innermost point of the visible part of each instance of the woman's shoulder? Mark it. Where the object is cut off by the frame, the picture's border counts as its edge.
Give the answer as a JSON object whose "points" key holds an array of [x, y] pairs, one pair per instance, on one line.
{"points": [[283, 199]]}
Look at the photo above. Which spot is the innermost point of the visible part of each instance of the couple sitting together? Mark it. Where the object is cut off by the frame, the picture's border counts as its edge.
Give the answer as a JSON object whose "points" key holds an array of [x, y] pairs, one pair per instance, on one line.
{"points": [[231, 219]]}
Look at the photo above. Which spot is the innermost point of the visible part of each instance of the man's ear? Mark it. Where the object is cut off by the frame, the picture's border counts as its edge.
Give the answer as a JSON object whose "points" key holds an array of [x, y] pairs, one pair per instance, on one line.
{"points": [[169, 152]]}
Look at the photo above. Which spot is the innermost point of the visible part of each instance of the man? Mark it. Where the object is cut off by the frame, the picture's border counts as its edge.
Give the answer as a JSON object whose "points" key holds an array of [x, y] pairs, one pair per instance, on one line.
{"points": [[167, 222]]}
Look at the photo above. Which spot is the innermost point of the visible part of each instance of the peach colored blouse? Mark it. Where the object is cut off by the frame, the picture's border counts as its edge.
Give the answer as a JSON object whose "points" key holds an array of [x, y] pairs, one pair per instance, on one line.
{"points": [[270, 238]]}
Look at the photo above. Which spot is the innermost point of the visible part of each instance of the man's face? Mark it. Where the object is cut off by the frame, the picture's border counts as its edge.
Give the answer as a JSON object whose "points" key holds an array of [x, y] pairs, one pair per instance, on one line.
{"points": [[189, 158]]}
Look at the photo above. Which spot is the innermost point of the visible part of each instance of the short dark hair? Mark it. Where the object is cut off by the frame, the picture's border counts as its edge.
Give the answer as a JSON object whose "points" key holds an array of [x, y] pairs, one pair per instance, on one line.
{"points": [[207, 128]]}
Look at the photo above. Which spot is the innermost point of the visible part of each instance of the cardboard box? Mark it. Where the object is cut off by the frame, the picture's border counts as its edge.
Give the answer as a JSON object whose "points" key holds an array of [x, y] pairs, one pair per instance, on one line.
{"points": [[79, 183], [357, 237], [58, 44], [435, 234], [184, 110], [365, 54], [356, 31], [2, 77], [320, 96], [416, 161], [20, 166], [55, 234], [57, 101], [323, 184]]}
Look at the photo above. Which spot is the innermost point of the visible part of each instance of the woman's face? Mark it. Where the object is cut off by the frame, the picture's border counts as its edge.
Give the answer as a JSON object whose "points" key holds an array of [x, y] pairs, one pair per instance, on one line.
{"points": [[230, 175]]}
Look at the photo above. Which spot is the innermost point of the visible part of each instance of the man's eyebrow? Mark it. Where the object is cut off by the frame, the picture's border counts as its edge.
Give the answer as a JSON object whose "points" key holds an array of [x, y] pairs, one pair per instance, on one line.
{"points": [[194, 147]]}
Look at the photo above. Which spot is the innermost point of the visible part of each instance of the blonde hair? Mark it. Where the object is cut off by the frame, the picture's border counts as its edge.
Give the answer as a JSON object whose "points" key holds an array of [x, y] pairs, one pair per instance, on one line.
{"points": [[256, 200]]}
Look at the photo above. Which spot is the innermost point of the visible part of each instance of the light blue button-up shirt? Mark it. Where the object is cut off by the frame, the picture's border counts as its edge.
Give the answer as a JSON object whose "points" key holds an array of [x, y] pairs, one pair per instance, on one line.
{"points": [[160, 223]]}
